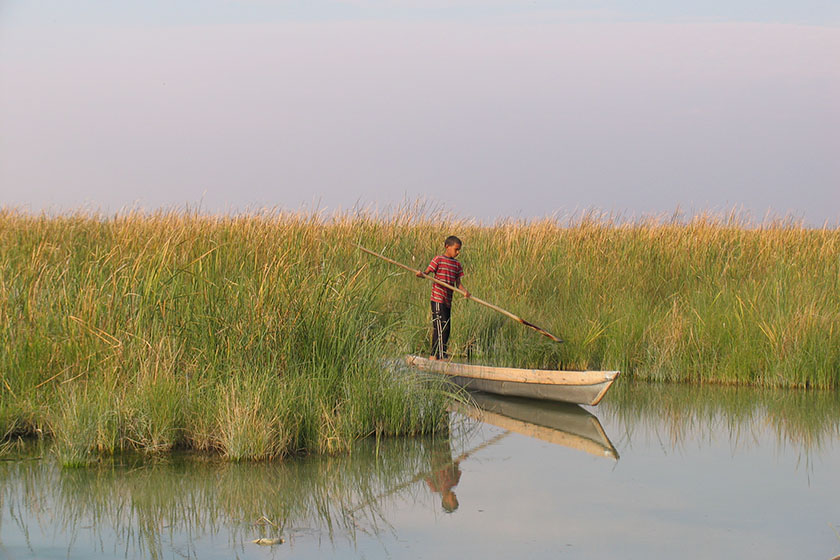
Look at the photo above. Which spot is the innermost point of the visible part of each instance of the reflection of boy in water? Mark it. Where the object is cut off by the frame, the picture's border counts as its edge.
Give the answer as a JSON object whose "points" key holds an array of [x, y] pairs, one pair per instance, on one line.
{"points": [[445, 476]]}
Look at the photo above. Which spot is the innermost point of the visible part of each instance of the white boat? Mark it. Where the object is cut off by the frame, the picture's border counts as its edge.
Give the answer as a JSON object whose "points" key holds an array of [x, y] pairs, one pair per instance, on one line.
{"points": [[578, 387]]}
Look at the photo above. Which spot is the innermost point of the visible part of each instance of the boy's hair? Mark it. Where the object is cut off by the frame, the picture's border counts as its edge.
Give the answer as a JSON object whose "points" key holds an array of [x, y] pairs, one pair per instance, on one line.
{"points": [[452, 240]]}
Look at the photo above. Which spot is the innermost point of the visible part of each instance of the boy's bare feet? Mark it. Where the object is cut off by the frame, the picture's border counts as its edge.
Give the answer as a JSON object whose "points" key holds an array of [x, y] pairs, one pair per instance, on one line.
{"points": [[433, 357]]}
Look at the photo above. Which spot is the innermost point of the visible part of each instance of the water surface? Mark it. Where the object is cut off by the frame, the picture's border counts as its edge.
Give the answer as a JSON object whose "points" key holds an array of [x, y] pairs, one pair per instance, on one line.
{"points": [[652, 472]]}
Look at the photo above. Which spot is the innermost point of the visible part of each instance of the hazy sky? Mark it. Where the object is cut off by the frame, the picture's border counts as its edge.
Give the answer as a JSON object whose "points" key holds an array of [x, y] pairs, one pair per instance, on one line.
{"points": [[486, 108]]}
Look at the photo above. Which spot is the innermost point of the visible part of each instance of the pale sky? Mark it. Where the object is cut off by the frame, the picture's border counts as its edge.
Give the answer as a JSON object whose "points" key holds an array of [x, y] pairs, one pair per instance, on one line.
{"points": [[487, 109]]}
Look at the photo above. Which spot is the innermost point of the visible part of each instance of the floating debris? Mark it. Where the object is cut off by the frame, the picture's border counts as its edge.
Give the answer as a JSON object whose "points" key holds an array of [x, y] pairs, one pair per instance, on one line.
{"points": [[269, 542]]}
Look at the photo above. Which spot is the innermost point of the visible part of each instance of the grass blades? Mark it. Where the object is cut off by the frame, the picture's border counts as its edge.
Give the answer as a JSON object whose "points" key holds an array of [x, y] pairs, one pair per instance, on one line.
{"points": [[263, 335]]}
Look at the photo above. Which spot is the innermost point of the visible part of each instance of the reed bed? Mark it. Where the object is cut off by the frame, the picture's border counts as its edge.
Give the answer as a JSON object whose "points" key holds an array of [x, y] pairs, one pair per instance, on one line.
{"points": [[262, 335]]}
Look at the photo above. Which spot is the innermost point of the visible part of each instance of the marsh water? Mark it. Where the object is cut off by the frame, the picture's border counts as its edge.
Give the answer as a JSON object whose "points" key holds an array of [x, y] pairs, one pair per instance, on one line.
{"points": [[655, 471]]}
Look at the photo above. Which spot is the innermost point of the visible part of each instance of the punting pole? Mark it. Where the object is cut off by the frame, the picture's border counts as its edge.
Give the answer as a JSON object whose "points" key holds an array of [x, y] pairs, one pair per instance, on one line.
{"points": [[463, 293]]}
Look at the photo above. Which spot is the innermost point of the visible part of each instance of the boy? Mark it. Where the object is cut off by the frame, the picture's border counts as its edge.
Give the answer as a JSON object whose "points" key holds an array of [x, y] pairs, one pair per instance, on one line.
{"points": [[446, 269]]}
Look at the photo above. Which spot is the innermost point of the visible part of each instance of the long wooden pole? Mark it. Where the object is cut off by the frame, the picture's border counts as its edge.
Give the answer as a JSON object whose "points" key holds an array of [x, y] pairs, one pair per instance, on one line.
{"points": [[463, 293]]}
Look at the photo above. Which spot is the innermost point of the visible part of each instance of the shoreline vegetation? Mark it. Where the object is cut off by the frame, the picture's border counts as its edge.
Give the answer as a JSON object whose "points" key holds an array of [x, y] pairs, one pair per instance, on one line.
{"points": [[260, 336]]}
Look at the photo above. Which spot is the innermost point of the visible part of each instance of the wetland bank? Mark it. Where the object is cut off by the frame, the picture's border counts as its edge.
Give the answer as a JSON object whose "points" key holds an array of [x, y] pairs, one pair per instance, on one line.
{"points": [[262, 336]]}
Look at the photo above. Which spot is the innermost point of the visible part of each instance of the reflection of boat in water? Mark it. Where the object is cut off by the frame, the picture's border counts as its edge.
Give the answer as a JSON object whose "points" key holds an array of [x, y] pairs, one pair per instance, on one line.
{"points": [[579, 387], [555, 422]]}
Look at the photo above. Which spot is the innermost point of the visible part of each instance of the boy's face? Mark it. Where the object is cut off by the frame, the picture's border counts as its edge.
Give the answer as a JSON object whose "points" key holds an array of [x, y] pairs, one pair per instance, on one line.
{"points": [[452, 251]]}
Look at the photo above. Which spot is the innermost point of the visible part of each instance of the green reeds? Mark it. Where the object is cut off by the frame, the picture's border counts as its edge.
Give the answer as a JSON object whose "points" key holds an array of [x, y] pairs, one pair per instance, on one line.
{"points": [[263, 335], [247, 336]]}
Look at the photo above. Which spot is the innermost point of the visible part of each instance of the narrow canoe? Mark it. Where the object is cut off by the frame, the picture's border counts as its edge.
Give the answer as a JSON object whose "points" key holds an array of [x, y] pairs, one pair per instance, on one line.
{"points": [[577, 387], [558, 423]]}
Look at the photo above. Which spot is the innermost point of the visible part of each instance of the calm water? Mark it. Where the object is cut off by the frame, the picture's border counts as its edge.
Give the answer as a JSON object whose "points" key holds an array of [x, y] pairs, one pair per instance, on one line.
{"points": [[657, 472]]}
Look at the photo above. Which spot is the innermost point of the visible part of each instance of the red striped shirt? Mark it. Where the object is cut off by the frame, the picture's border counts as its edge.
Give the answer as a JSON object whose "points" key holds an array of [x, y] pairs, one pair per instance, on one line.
{"points": [[446, 270]]}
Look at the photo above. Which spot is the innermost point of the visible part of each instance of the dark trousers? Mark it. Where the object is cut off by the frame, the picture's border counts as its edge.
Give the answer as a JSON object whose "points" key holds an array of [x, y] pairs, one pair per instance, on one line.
{"points": [[440, 329]]}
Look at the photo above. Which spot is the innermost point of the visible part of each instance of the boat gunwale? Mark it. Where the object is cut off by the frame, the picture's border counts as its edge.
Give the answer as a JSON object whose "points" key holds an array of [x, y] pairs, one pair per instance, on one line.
{"points": [[517, 375]]}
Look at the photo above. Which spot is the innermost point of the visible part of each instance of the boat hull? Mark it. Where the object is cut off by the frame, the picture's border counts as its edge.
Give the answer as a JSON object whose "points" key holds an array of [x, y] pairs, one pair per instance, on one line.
{"points": [[558, 423], [577, 387]]}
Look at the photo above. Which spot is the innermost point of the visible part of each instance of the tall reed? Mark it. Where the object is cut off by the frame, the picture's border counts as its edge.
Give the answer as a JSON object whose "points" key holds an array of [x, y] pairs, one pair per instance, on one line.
{"points": [[243, 335], [261, 335]]}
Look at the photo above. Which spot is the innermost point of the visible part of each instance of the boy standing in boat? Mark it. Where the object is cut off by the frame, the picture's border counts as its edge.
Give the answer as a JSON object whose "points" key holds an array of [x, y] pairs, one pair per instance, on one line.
{"points": [[446, 268]]}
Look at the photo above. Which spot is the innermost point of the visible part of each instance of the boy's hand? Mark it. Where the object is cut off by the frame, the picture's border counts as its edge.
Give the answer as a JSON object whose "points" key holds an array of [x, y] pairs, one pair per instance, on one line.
{"points": [[467, 294], [420, 274]]}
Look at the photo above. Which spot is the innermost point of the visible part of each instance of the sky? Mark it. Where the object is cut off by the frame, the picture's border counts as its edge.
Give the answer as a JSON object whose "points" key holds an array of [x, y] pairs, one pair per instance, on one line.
{"points": [[489, 110]]}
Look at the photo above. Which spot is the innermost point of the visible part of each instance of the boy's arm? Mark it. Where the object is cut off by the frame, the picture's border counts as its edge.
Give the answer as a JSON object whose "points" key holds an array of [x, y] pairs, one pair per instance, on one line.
{"points": [[460, 285], [430, 268]]}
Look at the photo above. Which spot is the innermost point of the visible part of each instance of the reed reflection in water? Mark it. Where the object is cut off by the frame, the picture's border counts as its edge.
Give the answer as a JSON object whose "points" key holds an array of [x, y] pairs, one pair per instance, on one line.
{"points": [[513, 476], [131, 507], [677, 413]]}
